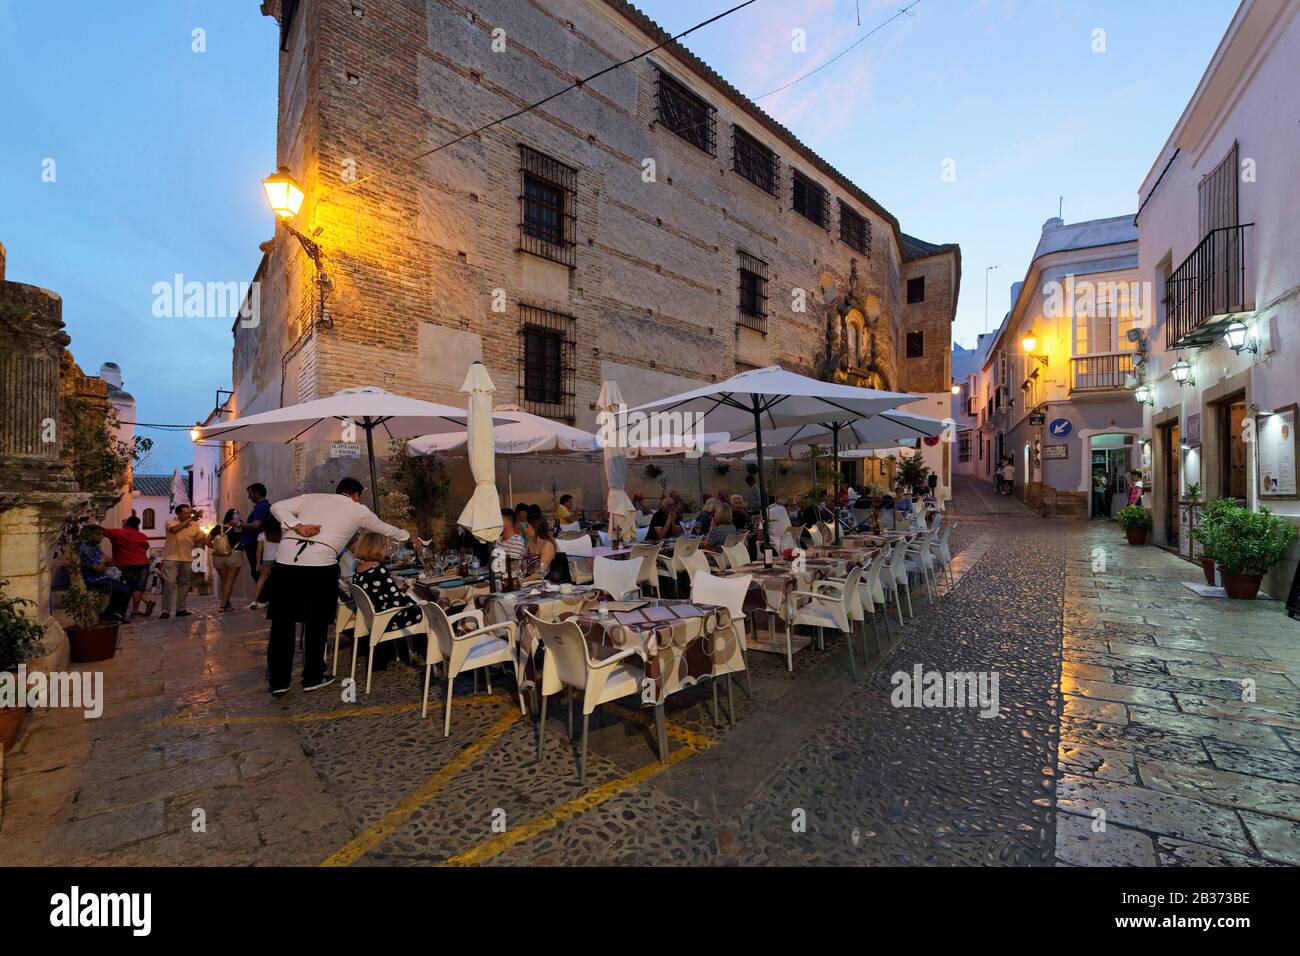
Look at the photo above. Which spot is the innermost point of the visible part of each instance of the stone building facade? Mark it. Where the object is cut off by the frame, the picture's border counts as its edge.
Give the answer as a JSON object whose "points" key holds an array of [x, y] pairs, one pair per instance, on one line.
{"points": [[653, 227]]}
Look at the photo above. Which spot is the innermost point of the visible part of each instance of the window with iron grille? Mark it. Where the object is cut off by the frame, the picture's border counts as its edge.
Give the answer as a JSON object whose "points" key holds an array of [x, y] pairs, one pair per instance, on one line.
{"points": [[855, 231], [915, 344], [685, 114], [752, 292], [546, 362], [548, 195], [1217, 194], [754, 161], [809, 199], [916, 290], [963, 446]]}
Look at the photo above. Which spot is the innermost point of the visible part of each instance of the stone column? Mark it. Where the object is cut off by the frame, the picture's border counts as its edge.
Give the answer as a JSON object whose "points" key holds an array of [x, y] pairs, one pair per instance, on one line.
{"points": [[37, 490]]}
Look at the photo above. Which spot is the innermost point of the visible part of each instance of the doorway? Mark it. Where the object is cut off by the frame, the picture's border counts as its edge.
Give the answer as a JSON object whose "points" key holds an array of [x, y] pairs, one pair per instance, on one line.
{"points": [[1229, 417], [1170, 485], [1111, 461]]}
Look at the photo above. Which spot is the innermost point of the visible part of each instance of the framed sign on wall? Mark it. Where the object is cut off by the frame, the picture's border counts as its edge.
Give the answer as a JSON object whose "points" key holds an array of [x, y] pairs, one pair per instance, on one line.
{"points": [[1275, 435]]}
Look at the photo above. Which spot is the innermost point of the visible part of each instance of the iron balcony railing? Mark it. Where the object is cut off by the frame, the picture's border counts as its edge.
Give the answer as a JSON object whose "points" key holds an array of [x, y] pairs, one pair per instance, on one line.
{"points": [[1101, 371], [1213, 285]]}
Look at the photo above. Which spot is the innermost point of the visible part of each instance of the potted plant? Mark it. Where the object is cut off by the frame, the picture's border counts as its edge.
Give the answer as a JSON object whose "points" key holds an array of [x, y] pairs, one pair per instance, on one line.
{"points": [[89, 639], [20, 641], [1246, 544], [1136, 522], [1203, 533]]}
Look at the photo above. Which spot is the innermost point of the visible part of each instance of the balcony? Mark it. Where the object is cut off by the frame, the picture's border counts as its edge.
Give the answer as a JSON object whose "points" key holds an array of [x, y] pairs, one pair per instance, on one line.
{"points": [[1213, 286], [1091, 373]]}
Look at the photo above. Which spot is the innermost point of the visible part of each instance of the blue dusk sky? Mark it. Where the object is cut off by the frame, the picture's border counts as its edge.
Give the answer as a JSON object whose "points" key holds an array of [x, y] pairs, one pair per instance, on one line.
{"points": [[158, 150]]}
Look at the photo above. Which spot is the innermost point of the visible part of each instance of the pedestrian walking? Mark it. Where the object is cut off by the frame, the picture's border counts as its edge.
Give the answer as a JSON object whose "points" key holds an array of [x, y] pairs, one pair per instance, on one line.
{"points": [[315, 531], [1008, 477], [227, 559], [185, 539]]}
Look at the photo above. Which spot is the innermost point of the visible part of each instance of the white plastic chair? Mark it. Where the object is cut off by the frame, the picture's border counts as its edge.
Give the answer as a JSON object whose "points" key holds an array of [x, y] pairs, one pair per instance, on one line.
{"points": [[649, 555], [484, 646], [737, 554], [571, 527], [831, 604], [579, 547], [345, 616], [568, 664], [642, 531], [920, 560], [729, 593], [731, 540], [377, 627], [895, 580], [673, 564], [697, 562], [618, 578], [643, 519], [939, 549]]}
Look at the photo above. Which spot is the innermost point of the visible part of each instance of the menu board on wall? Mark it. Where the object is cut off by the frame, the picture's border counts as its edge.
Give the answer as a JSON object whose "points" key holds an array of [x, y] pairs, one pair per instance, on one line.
{"points": [[1276, 436]]}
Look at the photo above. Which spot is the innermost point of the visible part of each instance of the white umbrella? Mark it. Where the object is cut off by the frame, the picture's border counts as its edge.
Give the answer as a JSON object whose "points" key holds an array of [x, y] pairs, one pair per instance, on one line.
{"points": [[521, 434], [621, 512], [772, 397], [368, 408], [482, 514]]}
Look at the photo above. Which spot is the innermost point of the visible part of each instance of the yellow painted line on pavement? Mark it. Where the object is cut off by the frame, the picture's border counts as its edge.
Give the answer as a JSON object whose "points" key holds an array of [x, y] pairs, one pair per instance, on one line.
{"points": [[394, 818], [688, 737], [379, 710], [567, 811]]}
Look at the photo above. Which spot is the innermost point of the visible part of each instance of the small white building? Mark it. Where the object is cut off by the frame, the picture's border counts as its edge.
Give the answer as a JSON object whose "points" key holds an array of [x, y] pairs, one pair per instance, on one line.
{"points": [[151, 502], [1219, 241]]}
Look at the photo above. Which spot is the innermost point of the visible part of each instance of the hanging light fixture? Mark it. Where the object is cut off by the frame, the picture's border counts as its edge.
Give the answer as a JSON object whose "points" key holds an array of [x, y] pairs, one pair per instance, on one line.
{"points": [[1237, 337], [1143, 394], [283, 193], [1182, 372]]}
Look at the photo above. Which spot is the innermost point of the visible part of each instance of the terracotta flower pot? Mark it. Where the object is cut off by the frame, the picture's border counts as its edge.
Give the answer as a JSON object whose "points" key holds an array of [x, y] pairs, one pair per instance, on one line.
{"points": [[1243, 587], [1207, 566], [1136, 535], [89, 644], [11, 722]]}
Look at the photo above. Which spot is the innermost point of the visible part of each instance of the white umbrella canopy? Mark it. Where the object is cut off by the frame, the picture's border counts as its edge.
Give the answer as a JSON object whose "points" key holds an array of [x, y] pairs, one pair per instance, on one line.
{"points": [[482, 514], [518, 434], [622, 514], [705, 445], [368, 408], [751, 403]]}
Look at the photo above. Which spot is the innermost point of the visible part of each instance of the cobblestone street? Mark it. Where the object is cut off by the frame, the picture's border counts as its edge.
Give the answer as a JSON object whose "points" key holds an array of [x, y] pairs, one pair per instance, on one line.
{"points": [[1124, 736]]}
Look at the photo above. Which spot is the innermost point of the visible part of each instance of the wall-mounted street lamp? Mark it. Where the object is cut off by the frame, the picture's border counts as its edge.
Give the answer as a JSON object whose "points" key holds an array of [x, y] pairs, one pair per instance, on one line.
{"points": [[1143, 394], [1182, 372], [285, 198], [1236, 336], [956, 389], [1029, 343]]}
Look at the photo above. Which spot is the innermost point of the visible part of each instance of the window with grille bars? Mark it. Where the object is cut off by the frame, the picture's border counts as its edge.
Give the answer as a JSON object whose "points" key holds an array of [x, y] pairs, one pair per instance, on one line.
{"points": [[548, 200], [855, 231], [752, 291], [1217, 194], [809, 199], [754, 161], [685, 114], [915, 344], [963, 446], [546, 362]]}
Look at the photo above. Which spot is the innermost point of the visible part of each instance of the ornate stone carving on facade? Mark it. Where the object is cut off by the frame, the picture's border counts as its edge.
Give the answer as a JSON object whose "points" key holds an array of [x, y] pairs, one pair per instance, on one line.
{"points": [[841, 359]]}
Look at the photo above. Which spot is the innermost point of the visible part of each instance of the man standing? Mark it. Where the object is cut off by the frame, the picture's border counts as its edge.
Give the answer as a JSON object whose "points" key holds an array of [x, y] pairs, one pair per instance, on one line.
{"points": [[778, 521], [564, 513], [752, 504], [254, 524], [316, 531], [183, 536], [131, 556]]}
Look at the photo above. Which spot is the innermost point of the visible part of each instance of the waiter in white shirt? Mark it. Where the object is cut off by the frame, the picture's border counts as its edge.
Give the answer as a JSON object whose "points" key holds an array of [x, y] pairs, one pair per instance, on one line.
{"points": [[317, 529]]}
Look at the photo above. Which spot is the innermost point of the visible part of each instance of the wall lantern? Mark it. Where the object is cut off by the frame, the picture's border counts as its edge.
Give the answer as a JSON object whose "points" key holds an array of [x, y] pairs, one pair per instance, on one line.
{"points": [[1182, 373], [1143, 394], [1237, 338], [1029, 343], [283, 193]]}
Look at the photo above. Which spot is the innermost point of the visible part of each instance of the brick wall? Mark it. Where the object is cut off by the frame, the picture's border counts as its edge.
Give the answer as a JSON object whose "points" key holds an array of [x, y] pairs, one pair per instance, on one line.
{"points": [[416, 253]]}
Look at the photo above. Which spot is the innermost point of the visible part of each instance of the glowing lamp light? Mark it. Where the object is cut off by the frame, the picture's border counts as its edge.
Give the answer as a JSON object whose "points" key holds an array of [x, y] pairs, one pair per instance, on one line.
{"points": [[1143, 394], [1028, 343], [956, 389], [1181, 371], [195, 434], [283, 193], [1235, 336]]}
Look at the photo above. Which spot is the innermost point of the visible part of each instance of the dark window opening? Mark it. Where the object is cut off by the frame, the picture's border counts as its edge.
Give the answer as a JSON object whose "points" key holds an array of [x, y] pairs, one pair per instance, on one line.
{"points": [[752, 292], [754, 161], [148, 519], [685, 114], [855, 231], [915, 344], [916, 290], [548, 200], [287, 10], [809, 199], [546, 362]]}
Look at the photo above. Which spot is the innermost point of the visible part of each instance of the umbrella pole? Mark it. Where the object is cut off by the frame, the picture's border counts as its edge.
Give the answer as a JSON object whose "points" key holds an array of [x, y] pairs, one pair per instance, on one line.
{"points": [[699, 474], [374, 481], [510, 485], [835, 504], [762, 487]]}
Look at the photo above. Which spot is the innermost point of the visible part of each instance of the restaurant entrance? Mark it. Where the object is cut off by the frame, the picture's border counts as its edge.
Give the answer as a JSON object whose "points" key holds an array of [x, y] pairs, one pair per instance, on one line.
{"points": [[1170, 484], [1111, 457], [1229, 415]]}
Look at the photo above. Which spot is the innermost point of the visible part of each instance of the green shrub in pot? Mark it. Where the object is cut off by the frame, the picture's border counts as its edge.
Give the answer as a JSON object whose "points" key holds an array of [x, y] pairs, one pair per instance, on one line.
{"points": [[20, 635], [1135, 517], [1211, 516], [1250, 542]]}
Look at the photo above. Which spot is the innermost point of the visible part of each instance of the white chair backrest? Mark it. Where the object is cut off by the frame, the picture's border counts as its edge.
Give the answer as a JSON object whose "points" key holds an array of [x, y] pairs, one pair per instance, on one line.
{"points": [[684, 546], [815, 536], [872, 576], [735, 538], [724, 592], [362, 600], [616, 577], [897, 558], [576, 546], [565, 647], [788, 541], [695, 563], [571, 526], [643, 519], [439, 628], [642, 531], [604, 538], [649, 554], [737, 554]]}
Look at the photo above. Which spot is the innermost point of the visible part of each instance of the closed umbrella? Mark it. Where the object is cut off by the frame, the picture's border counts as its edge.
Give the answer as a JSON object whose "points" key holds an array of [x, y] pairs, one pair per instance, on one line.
{"points": [[482, 514], [368, 408], [622, 523]]}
